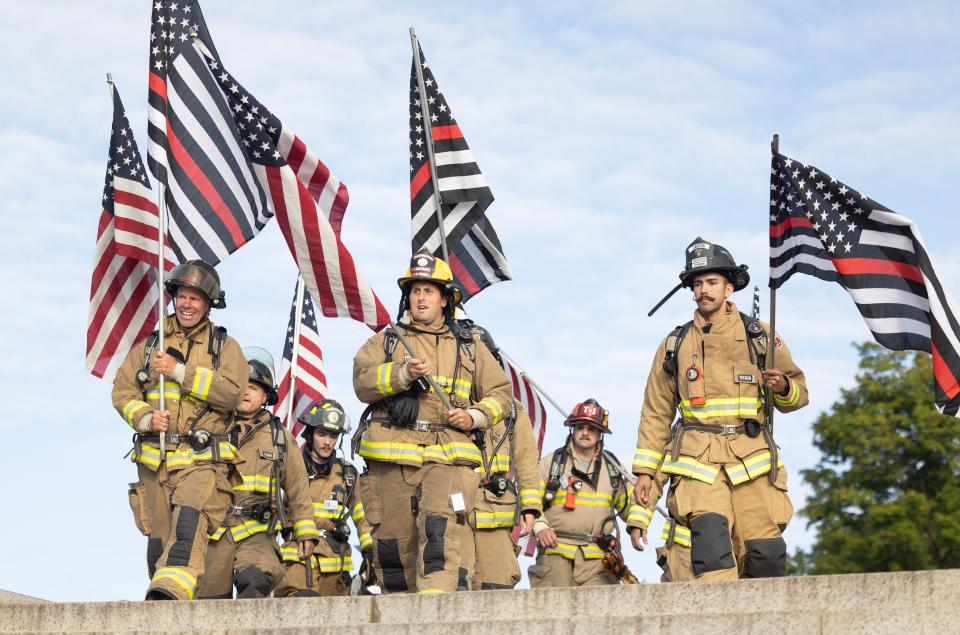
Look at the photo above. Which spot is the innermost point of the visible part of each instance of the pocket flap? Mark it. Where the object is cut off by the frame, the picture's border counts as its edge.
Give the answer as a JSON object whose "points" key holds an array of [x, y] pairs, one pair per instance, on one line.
{"points": [[744, 446]]}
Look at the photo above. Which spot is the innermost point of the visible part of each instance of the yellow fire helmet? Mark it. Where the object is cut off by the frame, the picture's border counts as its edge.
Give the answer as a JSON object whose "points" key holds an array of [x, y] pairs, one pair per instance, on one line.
{"points": [[427, 267]]}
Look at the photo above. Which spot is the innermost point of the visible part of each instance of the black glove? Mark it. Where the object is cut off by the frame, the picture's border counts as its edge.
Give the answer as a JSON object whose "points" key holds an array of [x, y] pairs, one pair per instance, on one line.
{"points": [[403, 408]]}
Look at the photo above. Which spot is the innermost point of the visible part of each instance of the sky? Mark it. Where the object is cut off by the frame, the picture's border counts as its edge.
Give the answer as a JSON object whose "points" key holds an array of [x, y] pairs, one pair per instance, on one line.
{"points": [[611, 135]]}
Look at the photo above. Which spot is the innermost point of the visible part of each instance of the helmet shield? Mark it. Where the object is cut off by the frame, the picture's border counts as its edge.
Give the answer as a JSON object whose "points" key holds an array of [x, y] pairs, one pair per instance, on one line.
{"points": [[260, 364]]}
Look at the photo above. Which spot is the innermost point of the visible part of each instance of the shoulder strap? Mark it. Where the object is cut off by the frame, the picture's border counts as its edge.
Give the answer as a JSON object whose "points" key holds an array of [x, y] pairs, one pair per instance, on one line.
{"points": [[390, 340], [674, 340], [279, 437], [756, 340], [216, 345], [614, 469]]}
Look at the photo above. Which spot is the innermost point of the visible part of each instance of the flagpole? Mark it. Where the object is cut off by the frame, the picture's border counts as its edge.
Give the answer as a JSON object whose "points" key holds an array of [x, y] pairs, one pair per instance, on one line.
{"points": [[537, 386], [425, 112], [772, 352], [297, 319]]}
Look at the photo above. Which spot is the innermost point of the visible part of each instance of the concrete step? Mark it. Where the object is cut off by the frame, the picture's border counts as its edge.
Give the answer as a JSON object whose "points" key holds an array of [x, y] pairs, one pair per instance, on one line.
{"points": [[887, 602]]}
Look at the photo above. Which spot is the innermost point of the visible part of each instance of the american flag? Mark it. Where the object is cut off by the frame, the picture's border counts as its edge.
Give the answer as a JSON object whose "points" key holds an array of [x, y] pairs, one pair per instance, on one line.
{"points": [[476, 257], [239, 145], [311, 383], [755, 312], [123, 288], [823, 228], [525, 393]]}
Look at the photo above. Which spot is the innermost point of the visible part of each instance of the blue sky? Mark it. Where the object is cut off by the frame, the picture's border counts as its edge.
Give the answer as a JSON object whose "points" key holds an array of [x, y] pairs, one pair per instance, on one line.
{"points": [[611, 136]]}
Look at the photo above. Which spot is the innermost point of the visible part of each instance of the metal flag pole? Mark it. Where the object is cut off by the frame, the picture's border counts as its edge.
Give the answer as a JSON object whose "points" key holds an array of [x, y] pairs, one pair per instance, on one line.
{"points": [[537, 386], [294, 352], [425, 112], [772, 352], [433, 384]]}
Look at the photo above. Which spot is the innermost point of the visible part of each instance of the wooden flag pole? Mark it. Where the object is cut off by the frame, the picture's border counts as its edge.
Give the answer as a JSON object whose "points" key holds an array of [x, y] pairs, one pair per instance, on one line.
{"points": [[294, 352], [425, 112]]}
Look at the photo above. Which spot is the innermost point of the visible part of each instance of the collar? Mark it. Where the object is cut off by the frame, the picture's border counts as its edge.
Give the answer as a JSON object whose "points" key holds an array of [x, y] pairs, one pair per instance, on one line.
{"points": [[728, 317], [172, 327]]}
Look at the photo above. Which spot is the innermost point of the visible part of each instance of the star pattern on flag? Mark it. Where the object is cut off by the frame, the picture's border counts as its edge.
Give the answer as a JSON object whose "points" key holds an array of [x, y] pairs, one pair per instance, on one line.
{"points": [[124, 159], [440, 115], [175, 24], [259, 128]]}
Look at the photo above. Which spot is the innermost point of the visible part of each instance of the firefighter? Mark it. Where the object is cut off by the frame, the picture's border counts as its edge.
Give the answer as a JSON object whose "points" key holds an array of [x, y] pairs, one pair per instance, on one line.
{"points": [[585, 490], [333, 483], [182, 496], [509, 491], [728, 488], [243, 551], [419, 486]]}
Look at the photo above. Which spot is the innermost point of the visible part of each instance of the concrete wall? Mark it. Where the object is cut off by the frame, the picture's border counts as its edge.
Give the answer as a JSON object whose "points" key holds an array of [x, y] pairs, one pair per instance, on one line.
{"points": [[911, 602]]}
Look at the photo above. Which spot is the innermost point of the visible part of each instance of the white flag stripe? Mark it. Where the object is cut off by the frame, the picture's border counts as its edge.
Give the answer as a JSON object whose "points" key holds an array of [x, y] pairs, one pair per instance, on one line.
{"points": [[454, 157], [472, 181], [121, 184], [820, 263], [886, 239], [123, 298], [426, 212], [453, 218], [897, 325], [210, 147], [306, 355], [893, 219], [147, 304], [889, 296], [940, 313], [482, 239], [207, 234], [794, 242], [471, 247]]}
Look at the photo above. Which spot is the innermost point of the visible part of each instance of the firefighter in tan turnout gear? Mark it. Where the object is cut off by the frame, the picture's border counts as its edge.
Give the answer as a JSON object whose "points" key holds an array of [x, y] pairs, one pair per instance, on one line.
{"points": [[243, 550], [182, 496], [728, 491], [333, 490], [419, 487], [584, 492]]}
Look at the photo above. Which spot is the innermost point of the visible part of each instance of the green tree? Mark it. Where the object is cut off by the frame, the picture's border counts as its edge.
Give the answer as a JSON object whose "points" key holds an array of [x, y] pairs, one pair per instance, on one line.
{"points": [[886, 495]]}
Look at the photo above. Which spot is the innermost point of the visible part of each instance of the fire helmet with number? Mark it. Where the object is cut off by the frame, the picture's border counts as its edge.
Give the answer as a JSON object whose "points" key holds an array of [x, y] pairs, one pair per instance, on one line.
{"points": [[326, 415], [705, 257], [591, 413], [199, 275], [425, 267]]}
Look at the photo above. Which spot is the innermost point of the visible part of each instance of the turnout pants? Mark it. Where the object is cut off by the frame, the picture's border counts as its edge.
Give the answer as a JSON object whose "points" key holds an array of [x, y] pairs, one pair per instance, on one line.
{"points": [[294, 582], [496, 564], [554, 570], [736, 530], [253, 563], [176, 511], [419, 543]]}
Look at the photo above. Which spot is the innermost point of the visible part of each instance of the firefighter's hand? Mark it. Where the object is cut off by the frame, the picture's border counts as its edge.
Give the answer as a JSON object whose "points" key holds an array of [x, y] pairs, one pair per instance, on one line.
{"points": [[547, 538], [638, 536], [164, 363], [775, 380], [460, 419], [160, 421], [305, 548], [526, 524], [417, 367], [641, 491]]}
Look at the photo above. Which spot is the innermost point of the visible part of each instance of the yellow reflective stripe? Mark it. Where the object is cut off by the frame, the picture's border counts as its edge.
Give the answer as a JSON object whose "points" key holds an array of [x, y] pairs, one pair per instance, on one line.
{"points": [[689, 466], [391, 451], [254, 483], [492, 520], [186, 455], [498, 463], [148, 455], [171, 390], [586, 499], [289, 554], [494, 407], [681, 534], [303, 529], [177, 575], [320, 511], [590, 552], [429, 591], [202, 379], [452, 451], [530, 496], [646, 458], [218, 534], [250, 528], [792, 398], [133, 410], [323, 565], [754, 466], [726, 407], [365, 540], [638, 516], [460, 387], [383, 379], [358, 514]]}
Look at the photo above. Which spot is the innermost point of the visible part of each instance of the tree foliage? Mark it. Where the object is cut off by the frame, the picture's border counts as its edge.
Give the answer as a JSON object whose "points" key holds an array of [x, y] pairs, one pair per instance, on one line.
{"points": [[886, 495]]}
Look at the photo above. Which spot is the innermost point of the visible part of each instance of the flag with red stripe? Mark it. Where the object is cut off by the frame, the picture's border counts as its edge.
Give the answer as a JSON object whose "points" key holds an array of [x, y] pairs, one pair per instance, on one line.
{"points": [[476, 256], [123, 289], [823, 228], [303, 363], [242, 161]]}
